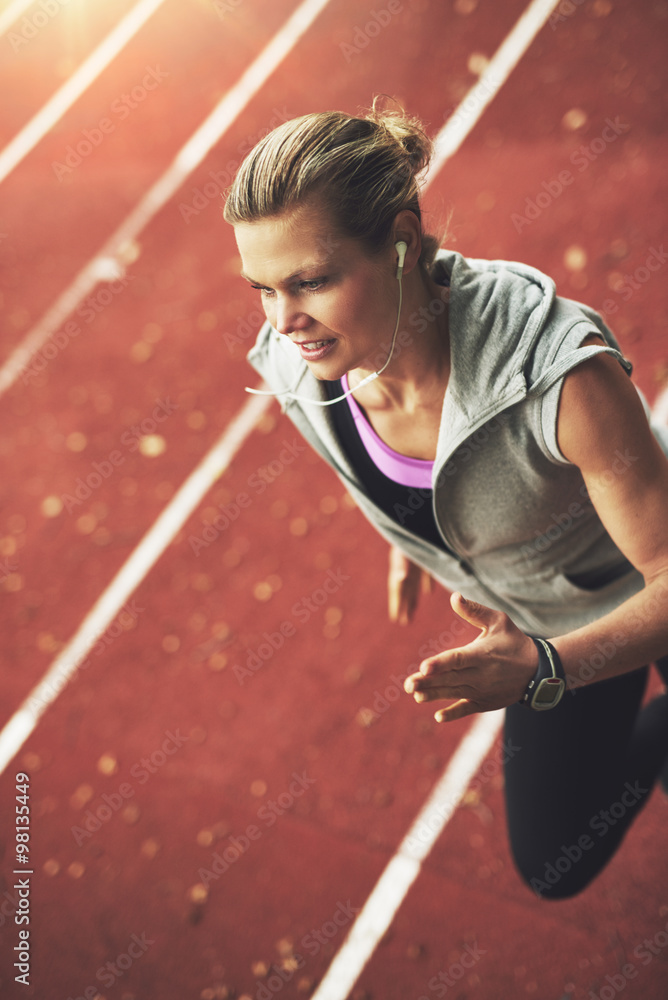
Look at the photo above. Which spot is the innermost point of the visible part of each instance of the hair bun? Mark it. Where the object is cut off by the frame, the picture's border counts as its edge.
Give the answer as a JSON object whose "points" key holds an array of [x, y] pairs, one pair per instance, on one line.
{"points": [[405, 130]]}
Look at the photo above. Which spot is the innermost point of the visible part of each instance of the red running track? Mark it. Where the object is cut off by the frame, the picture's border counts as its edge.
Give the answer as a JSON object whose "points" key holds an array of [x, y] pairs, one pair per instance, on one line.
{"points": [[177, 332]]}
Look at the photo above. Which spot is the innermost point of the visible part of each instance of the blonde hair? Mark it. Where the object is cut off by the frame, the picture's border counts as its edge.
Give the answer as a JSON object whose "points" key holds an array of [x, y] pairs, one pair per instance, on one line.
{"points": [[365, 170]]}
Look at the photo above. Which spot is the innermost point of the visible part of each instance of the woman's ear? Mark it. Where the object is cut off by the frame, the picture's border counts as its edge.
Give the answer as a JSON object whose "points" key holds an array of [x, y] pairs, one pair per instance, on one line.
{"points": [[407, 229]]}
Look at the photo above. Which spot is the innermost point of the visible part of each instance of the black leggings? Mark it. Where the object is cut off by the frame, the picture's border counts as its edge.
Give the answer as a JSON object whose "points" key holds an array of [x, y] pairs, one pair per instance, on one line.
{"points": [[577, 776]]}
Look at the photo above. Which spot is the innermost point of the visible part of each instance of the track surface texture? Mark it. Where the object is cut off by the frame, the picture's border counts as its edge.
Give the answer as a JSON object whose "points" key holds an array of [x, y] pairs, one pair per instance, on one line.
{"points": [[247, 694]]}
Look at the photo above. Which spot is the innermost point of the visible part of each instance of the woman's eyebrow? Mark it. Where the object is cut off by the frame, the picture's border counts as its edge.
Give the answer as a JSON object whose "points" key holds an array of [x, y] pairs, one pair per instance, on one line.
{"points": [[317, 266]]}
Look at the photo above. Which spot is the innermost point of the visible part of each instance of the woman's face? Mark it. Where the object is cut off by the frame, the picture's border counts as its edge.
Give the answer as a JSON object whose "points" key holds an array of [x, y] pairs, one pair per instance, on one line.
{"points": [[322, 291]]}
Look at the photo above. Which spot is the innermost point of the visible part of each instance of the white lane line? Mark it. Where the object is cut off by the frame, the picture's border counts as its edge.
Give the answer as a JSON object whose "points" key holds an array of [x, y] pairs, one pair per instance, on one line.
{"points": [[81, 79], [106, 264], [12, 13], [400, 873], [498, 70], [153, 544]]}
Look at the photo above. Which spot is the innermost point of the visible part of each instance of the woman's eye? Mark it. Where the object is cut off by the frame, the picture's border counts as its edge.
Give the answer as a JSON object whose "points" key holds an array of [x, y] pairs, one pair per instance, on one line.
{"points": [[312, 285]]}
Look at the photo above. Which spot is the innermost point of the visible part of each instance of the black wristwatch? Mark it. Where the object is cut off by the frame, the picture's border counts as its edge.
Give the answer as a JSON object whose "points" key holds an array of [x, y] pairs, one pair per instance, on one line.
{"points": [[549, 682]]}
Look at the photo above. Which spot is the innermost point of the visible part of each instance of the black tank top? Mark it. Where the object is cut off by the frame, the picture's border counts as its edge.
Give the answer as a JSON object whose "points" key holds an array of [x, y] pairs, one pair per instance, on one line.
{"points": [[409, 506]]}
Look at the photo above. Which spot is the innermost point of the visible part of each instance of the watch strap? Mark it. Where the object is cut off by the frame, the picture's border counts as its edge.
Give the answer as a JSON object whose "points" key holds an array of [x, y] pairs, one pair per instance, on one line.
{"points": [[550, 669]]}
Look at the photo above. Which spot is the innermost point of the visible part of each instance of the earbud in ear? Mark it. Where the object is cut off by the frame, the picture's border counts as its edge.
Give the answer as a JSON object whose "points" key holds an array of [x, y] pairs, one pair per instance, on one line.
{"points": [[401, 249]]}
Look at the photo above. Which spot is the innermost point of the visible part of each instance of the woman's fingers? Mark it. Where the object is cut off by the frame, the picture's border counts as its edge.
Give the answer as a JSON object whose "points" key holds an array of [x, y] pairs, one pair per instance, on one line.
{"points": [[395, 577], [490, 672], [402, 600], [459, 710], [404, 582], [446, 684], [450, 669]]}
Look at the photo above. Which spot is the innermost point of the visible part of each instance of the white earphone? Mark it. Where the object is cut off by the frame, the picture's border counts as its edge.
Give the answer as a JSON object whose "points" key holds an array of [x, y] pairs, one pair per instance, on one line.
{"points": [[401, 247]]}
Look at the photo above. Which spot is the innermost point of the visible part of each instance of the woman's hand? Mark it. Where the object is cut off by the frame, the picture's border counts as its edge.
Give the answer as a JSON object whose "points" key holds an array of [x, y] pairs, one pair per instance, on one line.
{"points": [[404, 582], [492, 671]]}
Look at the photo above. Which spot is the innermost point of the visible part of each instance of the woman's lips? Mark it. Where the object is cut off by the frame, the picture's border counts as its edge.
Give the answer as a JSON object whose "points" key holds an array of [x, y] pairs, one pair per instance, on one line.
{"points": [[315, 350]]}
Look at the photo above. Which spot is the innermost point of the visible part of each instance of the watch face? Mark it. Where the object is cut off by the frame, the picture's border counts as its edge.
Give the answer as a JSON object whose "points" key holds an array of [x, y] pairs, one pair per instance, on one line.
{"points": [[548, 693]]}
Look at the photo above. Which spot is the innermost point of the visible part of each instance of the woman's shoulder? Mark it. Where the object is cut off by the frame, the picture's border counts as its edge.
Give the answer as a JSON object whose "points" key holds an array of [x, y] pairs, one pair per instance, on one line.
{"points": [[511, 335]]}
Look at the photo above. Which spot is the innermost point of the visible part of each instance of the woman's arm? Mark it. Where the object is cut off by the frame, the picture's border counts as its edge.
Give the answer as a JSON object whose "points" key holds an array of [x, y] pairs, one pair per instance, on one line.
{"points": [[603, 430]]}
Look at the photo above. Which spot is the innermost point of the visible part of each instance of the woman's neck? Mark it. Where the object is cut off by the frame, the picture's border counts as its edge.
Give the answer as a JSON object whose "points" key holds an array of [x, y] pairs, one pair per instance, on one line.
{"points": [[418, 371]]}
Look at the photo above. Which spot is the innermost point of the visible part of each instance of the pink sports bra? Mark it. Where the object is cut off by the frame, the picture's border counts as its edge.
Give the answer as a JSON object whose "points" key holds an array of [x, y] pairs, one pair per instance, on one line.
{"points": [[400, 468]]}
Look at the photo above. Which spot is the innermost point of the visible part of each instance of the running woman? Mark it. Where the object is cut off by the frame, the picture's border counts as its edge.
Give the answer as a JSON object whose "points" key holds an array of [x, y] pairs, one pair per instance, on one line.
{"points": [[489, 430]]}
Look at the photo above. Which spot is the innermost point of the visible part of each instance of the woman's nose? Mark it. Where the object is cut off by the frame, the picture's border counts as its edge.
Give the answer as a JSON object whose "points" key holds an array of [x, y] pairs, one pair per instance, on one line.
{"points": [[289, 318]]}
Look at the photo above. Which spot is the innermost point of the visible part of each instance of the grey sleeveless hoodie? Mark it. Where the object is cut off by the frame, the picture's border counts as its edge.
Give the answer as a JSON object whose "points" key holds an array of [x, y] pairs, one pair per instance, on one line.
{"points": [[514, 512]]}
